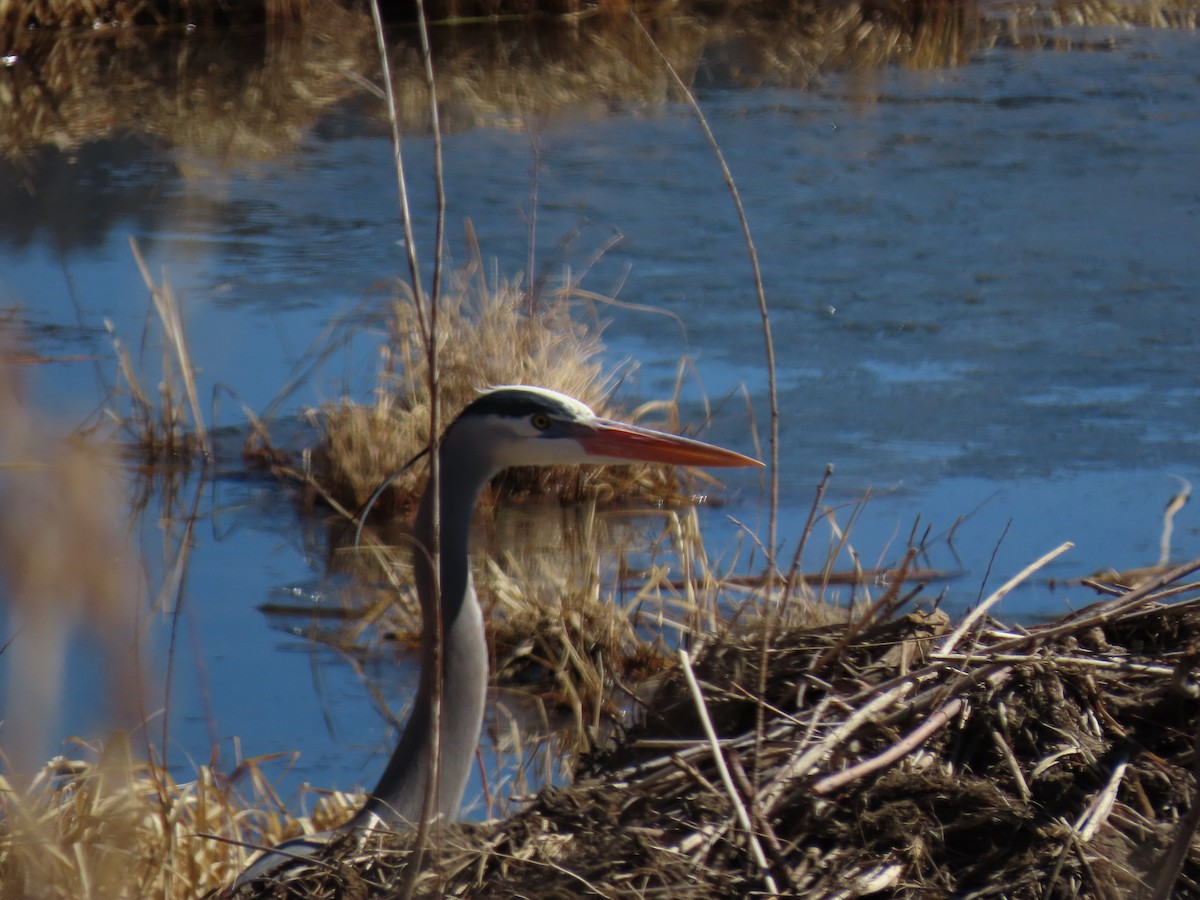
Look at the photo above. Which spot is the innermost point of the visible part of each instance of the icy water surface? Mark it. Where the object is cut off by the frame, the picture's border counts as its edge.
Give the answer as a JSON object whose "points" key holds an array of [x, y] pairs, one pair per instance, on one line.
{"points": [[983, 291]]}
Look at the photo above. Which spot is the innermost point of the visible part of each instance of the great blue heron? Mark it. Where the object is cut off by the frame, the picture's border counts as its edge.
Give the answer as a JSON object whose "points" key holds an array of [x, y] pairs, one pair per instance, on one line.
{"points": [[507, 426]]}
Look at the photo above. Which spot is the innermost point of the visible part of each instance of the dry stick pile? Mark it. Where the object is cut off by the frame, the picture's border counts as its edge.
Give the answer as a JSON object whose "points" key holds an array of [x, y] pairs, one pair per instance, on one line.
{"points": [[896, 757]]}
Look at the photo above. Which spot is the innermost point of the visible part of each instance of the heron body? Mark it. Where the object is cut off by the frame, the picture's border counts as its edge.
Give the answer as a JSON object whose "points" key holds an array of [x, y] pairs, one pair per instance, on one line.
{"points": [[504, 427]]}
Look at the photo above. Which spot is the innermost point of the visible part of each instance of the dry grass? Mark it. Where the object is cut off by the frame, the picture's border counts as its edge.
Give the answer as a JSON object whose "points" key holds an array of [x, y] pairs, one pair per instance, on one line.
{"points": [[1059, 13], [18, 16], [62, 91], [108, 824], [492, 332], [160, 428], [895, 757]]}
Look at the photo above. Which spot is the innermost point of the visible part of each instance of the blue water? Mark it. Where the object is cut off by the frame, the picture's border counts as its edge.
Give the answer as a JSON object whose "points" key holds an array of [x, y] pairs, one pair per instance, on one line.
{"points": [[982, 285]]}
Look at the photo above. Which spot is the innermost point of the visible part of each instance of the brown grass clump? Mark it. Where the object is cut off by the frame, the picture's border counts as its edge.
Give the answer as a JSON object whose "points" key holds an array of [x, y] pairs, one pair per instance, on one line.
{"points": [[110, 825], [62, 88], [170, 426], [558, 627], [229, 100], [894, 757], [490, 333], [30, 15], [1059, 13]]}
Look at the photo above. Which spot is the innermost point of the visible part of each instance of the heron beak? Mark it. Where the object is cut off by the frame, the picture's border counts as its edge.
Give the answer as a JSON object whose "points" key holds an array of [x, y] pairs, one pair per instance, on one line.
{"points": [[616, 440]]}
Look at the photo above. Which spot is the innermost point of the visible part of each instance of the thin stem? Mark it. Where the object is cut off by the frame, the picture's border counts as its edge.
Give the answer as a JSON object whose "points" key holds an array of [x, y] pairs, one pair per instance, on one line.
{"points": [[389, 96], [430, 802], [759, 290], [439, 182], [999, 594], [739, 807], [768, 346], [429, 335]]}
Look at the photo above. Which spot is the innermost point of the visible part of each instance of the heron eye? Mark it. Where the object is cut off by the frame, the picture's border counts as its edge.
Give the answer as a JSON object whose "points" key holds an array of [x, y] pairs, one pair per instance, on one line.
{"points": [[540, 421]]}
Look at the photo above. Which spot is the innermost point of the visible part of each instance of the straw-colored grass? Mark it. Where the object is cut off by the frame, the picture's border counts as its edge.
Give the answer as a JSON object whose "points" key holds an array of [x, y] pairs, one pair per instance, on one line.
{"points": [[171, 425], [64, 90], [897, 755], [223, 103], [1059, 13], [890, 756], [109, 824], [18, 16], [491, 332]]}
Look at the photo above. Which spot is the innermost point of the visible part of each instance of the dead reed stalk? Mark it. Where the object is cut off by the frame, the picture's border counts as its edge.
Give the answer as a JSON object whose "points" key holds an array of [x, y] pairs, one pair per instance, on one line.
{"points": [[159, 427]]}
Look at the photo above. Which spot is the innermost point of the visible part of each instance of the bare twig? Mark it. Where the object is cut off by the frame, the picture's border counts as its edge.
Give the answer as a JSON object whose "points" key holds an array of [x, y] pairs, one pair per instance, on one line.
{"points": [[760, 292], [804, 761], [739, 806], [1098, 613], [1174, 505], [999, 594], [898, 750], [429, 335]]}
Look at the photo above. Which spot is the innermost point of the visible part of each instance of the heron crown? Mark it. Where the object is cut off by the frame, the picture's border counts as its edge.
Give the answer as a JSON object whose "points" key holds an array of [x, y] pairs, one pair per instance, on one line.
{"points": [[519, 401]]}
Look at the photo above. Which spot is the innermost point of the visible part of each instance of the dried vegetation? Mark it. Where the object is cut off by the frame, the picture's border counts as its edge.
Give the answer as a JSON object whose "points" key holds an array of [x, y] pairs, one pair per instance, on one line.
{"points": [[63, 89], [171, 425], [888, 756], [492, 332]]}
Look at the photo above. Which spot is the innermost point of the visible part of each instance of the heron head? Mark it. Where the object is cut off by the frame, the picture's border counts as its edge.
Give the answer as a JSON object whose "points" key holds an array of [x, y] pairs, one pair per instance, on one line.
{"points": [[528, 426]]}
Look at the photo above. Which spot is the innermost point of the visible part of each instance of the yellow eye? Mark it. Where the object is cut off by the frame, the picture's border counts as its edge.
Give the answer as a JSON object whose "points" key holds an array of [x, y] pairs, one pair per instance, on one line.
{"points": [[540, 421]]}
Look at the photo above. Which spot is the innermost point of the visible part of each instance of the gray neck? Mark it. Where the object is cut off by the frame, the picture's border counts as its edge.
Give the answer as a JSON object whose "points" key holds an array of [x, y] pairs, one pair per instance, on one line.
{"points": [[398, 797]]}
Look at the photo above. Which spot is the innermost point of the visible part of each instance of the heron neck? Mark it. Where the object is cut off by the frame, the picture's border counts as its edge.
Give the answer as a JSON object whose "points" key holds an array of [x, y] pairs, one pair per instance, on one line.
{"points": [[398, 797]]}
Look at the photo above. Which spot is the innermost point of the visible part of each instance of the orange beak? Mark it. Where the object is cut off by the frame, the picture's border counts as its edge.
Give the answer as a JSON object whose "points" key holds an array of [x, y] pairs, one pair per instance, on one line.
{"points": [[618, 441]]}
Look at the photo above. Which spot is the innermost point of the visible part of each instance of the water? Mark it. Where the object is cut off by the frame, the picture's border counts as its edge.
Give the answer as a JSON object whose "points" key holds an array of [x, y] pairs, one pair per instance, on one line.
{"points": [[982, 290]]}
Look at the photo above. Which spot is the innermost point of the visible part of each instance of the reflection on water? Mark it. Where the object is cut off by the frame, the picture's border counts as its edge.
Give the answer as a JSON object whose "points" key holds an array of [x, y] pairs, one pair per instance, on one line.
{"points": [[180, 88], [982, 284]]}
